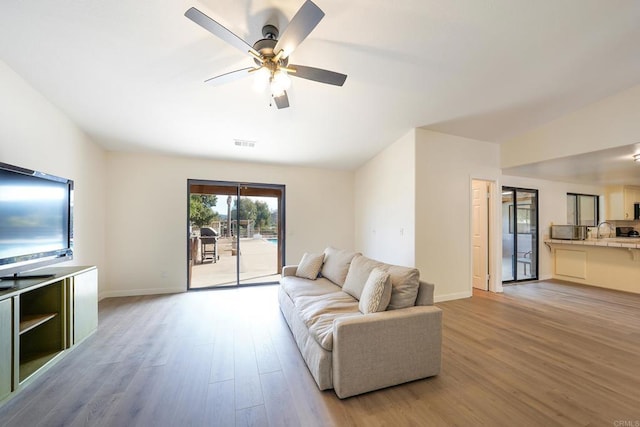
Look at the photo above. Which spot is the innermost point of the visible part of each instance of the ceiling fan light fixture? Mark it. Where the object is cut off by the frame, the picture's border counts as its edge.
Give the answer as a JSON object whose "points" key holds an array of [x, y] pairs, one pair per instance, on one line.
{"points": [[280, 81], [261, 79], [271, 54], [636, 158]]}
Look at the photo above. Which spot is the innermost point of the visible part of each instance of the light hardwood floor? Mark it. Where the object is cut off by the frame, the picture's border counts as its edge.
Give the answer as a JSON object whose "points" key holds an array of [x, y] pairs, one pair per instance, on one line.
{"points": [[540, 354]]}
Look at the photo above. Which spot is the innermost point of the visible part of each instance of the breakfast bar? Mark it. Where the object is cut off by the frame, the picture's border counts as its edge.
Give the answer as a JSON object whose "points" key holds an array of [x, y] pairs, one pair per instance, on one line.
{"points": [[612, 263]]}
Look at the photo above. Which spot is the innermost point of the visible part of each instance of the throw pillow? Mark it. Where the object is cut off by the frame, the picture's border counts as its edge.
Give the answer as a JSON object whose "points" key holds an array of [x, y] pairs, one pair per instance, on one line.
{"points": [[376, 293], [310, 266]]}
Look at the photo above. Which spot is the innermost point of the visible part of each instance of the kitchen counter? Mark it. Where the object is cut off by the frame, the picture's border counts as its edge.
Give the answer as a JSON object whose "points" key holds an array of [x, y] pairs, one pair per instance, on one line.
{"points": [[613, 242], [612, 262]]}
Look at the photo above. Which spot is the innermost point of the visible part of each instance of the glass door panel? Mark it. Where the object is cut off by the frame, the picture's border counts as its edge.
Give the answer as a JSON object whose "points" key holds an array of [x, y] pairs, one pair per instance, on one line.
{"points": [[212, 261], [526, 234], [258, 234], [508, 253], [520, 234]]}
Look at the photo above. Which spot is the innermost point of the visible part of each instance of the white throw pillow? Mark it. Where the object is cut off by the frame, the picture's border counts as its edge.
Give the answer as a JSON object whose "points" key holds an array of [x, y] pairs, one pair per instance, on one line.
{"points": [[310, 266], [376, 293]]}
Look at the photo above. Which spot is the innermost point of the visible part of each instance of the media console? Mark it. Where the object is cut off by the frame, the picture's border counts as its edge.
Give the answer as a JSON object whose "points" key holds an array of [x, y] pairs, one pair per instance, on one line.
{"points": [[41, 319]]}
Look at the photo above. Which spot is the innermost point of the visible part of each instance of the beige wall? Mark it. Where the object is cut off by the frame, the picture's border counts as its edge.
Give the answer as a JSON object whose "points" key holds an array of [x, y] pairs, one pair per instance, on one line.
{"points": [[422, 183], [445, 166], [385, 204], [36, 135], [611, 122], [147, 214]]}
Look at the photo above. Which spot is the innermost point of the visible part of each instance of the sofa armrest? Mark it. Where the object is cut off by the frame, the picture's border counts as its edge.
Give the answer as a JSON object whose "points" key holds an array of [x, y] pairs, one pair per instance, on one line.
{"points": [[289, 270], [383, 349], [425, 293]]}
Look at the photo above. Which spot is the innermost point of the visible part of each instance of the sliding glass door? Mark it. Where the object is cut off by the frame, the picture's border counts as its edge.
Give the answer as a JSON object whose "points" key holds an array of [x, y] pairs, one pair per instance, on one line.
{"points": [[519, 234], [236, 233]]}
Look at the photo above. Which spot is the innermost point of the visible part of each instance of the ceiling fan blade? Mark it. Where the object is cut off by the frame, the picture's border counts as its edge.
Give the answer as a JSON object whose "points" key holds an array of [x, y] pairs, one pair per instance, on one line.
{"points": [[218, 30], [282, 101], [304, 21], [318, 75], [229, 77]]}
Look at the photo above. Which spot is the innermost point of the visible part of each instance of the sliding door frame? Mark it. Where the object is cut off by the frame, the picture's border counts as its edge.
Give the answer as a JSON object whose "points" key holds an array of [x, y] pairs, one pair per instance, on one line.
{"points": [[535, 247], [256, 190]]}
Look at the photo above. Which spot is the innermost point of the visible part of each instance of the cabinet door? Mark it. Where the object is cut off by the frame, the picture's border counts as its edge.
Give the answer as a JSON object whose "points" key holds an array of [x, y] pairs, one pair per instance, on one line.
{"points": [[631, 196], [85, 304], [6, 348], [615, 203]]}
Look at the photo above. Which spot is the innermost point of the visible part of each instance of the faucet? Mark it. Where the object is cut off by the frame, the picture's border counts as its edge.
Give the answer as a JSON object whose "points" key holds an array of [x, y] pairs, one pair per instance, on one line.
{"points": [[598, 232]]}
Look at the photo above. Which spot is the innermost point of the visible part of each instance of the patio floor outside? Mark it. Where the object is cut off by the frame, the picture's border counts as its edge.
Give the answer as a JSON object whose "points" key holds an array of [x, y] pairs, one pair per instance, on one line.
{"points": [[258, 264]]}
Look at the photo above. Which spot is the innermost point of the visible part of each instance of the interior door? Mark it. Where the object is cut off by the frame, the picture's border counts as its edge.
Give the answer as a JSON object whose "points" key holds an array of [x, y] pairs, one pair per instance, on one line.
{"points": [[480, 234]]}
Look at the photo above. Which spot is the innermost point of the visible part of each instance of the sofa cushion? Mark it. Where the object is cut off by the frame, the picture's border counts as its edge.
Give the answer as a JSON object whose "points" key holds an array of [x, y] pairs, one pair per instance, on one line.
{"points": [[319, 312], [297, 287], [359, 272], [405, 282], [376, 293], [310, 266], [336, 264]]}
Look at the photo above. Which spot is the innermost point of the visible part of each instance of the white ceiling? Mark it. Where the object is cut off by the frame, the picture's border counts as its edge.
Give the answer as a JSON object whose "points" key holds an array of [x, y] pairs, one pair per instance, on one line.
{"points": [[130, 73], [614, 166]]}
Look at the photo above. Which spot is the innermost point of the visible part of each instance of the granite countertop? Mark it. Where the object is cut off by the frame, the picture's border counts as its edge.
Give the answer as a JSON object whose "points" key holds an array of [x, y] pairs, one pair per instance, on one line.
{"points": [[612, 242]]}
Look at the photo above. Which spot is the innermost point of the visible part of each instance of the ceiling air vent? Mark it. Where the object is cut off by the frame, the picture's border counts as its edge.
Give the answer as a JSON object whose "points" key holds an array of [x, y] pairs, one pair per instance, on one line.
{"points": [[244, 143]]}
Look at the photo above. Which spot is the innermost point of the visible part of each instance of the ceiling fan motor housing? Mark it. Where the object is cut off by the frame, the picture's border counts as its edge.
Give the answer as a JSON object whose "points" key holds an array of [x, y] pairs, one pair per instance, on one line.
{"points": [[270, 32], [265, 46]]}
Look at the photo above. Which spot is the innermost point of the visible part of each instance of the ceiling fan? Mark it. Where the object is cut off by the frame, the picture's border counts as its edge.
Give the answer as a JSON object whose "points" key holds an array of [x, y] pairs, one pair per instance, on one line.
{"points": [[271, 54]]}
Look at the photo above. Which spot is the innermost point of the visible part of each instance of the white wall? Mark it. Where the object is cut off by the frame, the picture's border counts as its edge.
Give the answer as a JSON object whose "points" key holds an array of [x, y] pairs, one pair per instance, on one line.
{"points": [[445, 166], [611, 122], [422, 184], [552, 206], [35, 134], [385, 204], [147, 214]]}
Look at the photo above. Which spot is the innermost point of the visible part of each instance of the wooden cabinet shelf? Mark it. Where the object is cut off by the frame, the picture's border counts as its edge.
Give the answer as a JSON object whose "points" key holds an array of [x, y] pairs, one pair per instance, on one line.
{"points": [[29, 322], [30, 363], [40, 319]]}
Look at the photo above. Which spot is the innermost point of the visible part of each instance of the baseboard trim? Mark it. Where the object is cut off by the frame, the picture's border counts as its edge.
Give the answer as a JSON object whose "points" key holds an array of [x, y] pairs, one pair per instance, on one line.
{"points": [[139, 292], [449, 297]]}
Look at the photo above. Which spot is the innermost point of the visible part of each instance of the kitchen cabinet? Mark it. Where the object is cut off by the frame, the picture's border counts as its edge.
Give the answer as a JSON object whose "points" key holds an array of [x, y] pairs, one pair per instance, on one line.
{"points": [[620, 200]]}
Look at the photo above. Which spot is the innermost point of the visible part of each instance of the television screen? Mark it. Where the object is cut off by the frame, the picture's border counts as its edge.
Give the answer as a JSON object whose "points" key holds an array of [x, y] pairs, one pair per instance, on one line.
{"points": [[35, 218]]}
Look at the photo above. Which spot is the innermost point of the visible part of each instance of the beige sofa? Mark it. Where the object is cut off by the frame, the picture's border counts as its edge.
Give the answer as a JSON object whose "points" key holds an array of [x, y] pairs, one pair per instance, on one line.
{"points": [[353, 352]]}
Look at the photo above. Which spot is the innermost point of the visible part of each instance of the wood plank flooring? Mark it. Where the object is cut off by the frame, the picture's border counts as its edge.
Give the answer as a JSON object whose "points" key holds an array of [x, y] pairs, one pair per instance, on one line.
{"points": [[543, 353]]}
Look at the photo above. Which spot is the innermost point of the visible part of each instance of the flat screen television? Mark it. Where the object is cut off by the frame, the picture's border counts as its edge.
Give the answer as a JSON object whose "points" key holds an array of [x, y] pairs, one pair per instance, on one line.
{"points": [[36, 221]]}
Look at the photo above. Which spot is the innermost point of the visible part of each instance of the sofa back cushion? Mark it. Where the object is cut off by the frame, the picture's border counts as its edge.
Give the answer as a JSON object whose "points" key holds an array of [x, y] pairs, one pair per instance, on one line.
{"points": [[405, 281], [376, 293], [336, 264], [309, 266], [359, 272]]}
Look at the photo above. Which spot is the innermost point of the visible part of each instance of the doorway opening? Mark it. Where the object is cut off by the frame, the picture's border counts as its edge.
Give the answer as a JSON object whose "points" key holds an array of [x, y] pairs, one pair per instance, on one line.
{"points": [[235, 233], [519, 234]]}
